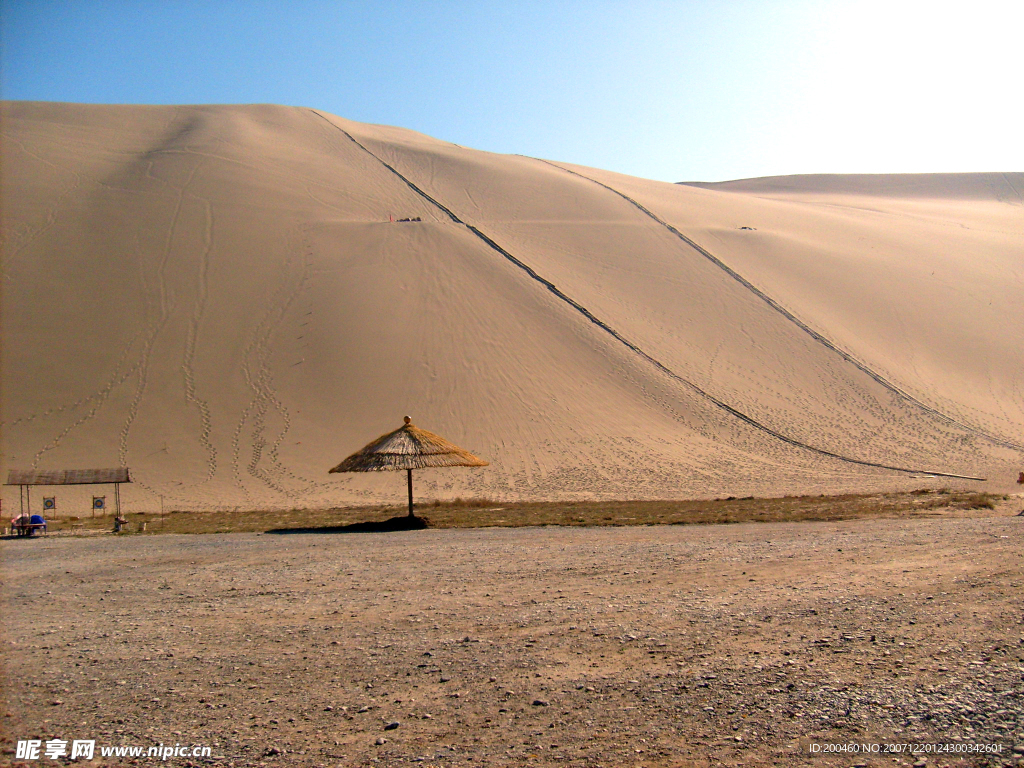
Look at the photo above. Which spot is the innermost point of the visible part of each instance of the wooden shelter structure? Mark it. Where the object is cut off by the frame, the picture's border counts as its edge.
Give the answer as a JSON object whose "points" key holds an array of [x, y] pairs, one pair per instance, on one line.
{"points": [[26, 478], [408, 448]]}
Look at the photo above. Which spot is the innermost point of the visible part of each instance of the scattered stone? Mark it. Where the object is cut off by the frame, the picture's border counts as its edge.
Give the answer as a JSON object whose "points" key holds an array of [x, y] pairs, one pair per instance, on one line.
{"points": [[737, 689]]}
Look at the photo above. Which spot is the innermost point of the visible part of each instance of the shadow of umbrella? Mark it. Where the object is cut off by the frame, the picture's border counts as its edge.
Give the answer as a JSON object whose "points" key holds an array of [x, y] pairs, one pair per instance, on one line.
{"points": [[408, 448], [404, 523]]}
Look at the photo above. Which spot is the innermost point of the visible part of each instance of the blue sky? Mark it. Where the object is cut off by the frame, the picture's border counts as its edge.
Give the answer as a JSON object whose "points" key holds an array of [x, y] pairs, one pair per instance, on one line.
{"points": [[684, 90]]}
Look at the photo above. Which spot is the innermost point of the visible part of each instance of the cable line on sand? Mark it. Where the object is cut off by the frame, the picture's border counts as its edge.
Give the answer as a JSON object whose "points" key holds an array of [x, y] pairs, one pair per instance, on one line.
{"points": [[818, 337]]}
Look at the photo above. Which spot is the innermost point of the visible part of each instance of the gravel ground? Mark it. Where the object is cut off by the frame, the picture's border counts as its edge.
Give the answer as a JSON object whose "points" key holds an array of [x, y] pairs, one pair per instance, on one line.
{"points": [[635, 646]]}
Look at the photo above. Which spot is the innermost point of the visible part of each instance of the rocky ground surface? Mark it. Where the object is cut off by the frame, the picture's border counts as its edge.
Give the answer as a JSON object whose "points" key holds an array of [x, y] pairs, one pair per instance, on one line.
{"points": [[736, 645]]}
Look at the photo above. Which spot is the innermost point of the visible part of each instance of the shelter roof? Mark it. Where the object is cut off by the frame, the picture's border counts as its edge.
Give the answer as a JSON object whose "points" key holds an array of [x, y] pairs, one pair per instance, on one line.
{"points": [[67, 476]]}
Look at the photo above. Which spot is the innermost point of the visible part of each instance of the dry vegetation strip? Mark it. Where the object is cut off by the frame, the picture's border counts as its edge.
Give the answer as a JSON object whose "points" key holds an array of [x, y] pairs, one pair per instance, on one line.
{"points": [[477, 513]]}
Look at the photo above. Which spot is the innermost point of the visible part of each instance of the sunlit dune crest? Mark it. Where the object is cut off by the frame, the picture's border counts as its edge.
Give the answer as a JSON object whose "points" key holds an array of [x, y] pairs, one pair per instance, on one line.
{"points": [[231, 299]]}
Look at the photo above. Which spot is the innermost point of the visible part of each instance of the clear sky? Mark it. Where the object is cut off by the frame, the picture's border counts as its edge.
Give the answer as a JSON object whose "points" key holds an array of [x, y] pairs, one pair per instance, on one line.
{"points": [[687, 90]]}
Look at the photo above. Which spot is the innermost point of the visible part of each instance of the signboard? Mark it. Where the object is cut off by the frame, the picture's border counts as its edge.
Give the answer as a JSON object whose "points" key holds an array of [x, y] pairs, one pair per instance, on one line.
{"points": [[49, 503]]}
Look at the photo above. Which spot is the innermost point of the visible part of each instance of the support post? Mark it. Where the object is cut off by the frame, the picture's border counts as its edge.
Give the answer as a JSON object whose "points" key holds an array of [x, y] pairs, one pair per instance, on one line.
{"points": [[409, 472]]}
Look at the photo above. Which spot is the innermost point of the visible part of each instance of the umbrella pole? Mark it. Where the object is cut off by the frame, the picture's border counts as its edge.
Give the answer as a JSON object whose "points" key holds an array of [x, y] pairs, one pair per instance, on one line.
{"points": [[409, 472]]}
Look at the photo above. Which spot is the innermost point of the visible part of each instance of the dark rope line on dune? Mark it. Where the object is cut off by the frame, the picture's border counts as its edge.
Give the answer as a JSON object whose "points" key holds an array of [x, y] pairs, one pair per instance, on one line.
{"points": [[626, 342], [823, 340]]}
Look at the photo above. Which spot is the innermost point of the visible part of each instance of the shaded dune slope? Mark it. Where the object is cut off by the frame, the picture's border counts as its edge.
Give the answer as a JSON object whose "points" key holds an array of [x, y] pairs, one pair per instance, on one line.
{"points": [[216, 297]]}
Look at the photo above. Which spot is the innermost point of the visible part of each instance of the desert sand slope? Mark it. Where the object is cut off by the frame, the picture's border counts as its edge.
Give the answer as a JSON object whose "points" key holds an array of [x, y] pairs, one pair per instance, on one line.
{"points": [[217, 297]]}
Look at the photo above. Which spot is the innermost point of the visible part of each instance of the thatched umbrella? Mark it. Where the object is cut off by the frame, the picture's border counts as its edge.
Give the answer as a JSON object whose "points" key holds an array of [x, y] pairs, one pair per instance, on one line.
{"points": [[408, 448]]}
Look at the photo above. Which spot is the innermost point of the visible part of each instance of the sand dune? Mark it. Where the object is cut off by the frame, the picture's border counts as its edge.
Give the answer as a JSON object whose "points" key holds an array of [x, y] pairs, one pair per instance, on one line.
{"points": [[218, 298]]}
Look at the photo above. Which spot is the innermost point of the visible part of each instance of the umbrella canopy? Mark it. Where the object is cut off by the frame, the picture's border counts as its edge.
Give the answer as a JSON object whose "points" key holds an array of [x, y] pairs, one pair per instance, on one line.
{"points": [[408, 448]]}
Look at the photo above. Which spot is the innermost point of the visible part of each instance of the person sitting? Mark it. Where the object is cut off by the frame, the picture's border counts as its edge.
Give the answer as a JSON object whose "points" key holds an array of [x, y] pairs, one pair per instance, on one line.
{"points": [[37, 523]]}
